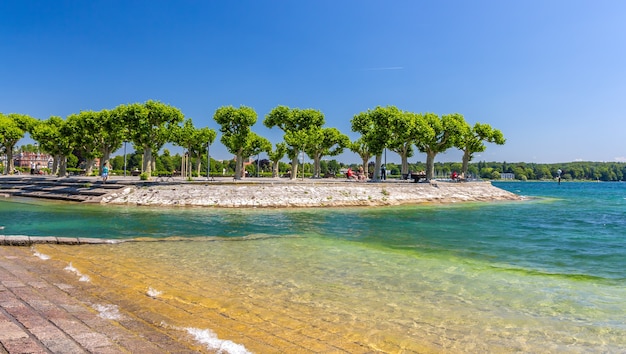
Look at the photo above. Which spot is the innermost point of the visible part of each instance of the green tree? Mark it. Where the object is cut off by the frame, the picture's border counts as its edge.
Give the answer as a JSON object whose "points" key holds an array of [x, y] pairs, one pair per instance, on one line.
{"points": [[236, 132], [275, 156], [294, 123], [13, 127], [255, 145], [324, 142], [362, 149], [111, 135], [195, 140], [439, 134], [83, 129], [375, 127], [405, 129], [53, 136], [471, 140], [150, 126]]}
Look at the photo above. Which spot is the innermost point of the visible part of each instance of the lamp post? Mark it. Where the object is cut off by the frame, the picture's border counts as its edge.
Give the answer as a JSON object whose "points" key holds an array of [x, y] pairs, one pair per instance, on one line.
{"points": [[258, 157]]}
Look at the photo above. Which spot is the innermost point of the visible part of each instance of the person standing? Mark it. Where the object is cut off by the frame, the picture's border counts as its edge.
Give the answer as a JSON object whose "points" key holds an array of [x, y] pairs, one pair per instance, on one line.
{"points": [[383, 172], [105, 172]]}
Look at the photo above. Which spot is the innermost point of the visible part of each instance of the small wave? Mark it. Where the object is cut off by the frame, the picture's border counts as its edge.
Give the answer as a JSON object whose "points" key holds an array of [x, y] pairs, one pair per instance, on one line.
{"points": [[250, 237], [109, 312], [41, 256], [81, 277], [70, 268], [571, 276], [153, 292], [212, 342]]}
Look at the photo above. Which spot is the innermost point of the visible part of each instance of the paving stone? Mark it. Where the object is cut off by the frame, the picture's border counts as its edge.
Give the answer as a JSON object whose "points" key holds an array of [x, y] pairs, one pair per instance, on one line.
{"points": [[10, 331], [42, 311], [24, 345]]}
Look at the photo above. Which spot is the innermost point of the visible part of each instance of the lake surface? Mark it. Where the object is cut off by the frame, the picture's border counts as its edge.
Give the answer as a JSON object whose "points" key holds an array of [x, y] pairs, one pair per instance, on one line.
{"points": [[547, 274]]}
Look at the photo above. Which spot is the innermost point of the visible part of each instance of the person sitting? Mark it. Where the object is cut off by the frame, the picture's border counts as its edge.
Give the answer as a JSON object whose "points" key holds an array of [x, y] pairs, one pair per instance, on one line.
{"points": [[350, 174], [454, 176], [361, 174]]}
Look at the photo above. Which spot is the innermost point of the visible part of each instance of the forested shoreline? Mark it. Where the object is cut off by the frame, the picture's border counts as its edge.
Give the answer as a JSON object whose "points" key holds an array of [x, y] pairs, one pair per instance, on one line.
{"points": [[523, 171]]}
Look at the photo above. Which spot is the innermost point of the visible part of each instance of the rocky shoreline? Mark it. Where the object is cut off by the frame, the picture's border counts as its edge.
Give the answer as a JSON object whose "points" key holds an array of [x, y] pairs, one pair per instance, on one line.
{"points": [[305, 194], [249, 193]]}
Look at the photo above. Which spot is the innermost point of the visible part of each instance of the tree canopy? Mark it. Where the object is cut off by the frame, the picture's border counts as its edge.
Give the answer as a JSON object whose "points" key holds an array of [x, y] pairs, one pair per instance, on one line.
{"points": [[152, 124], [472, 139], [296, 124], [236, 132], [439, 134], [13, 127]]}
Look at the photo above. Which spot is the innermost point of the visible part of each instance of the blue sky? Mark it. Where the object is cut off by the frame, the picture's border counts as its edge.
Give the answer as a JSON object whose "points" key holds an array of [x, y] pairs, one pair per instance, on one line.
{"points": [[551, 75]]}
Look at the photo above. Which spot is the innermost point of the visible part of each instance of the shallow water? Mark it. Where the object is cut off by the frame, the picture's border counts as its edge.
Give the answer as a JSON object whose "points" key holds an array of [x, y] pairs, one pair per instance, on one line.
{"points": [[544, 275]]}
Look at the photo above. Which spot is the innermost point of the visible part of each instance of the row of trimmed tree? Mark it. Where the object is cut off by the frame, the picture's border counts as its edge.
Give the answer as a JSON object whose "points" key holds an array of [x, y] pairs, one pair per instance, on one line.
{"points": [[150, 125]]}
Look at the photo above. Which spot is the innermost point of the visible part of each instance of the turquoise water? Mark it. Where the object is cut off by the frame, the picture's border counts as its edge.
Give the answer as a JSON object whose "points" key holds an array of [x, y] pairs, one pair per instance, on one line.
{"points": [[547, 274]]}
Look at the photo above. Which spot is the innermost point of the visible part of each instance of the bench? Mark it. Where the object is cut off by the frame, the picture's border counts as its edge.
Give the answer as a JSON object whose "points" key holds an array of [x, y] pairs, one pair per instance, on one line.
{"points": [[416, 177]]}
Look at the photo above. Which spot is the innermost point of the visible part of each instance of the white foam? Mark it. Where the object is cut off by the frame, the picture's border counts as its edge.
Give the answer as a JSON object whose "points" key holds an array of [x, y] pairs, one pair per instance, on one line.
{"points": [[109, 312], [153, 292], [70, 268], [208, 338], [42, 256], [81, 277]]}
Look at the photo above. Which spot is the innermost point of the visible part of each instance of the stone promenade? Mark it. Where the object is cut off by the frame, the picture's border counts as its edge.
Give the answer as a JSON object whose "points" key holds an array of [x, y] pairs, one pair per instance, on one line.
{"points": [[43, 310]]}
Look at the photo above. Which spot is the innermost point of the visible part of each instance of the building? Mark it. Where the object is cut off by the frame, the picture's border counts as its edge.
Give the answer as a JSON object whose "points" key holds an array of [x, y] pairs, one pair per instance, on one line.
{"points": [[32, 159], [507, 175]]}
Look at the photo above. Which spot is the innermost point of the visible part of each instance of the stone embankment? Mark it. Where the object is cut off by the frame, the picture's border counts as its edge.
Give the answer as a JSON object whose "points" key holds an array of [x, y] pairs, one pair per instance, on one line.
{"points": [[261, 192], [87, 189], [319, 193]]}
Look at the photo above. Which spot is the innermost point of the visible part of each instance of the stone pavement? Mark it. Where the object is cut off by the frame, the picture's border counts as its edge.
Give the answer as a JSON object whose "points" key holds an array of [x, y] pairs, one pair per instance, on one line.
{"points": [[44, 310]]}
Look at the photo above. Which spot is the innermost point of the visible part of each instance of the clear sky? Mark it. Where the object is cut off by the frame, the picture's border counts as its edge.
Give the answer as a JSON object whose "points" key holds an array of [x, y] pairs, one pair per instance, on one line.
{"points": [[551, 75]]}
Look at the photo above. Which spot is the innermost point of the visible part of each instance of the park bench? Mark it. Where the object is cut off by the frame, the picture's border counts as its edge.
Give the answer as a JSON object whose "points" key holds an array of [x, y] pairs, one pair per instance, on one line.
{"points": [[416, 177]]}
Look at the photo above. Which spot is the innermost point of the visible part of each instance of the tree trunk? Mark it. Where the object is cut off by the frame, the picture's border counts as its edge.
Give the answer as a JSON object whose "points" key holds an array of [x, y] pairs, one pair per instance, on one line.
{"points": [[366, 161], [316, 166], [430, 165], [89, 166], [62, 166], [238, 166], [106, 156], [379, 159], [294, 166], [405, 164], [55, 165], [147, 161], [10, 164], [275, 169], [466, 158], [199, 164]]}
